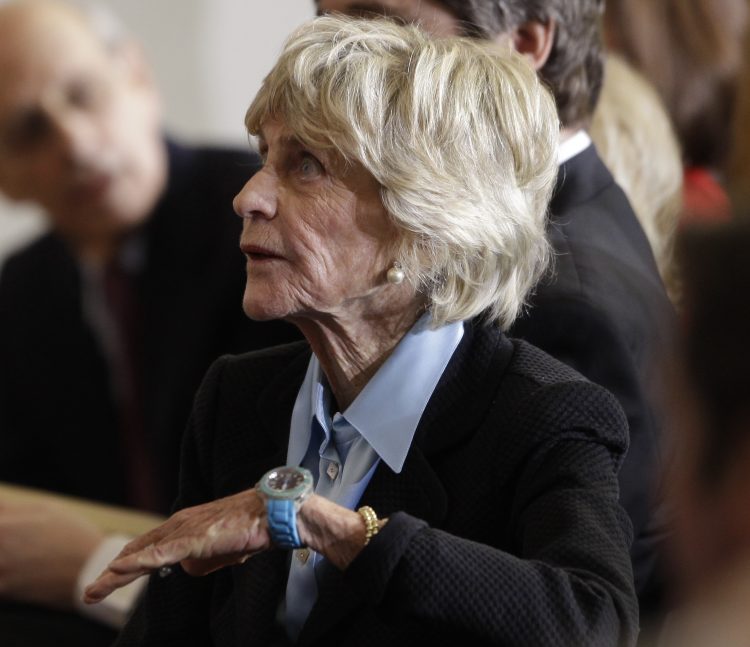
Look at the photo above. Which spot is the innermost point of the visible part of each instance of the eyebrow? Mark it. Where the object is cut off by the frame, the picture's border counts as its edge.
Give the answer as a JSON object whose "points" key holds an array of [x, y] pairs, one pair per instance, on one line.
{"points": [[291, 142], [286, 140]]}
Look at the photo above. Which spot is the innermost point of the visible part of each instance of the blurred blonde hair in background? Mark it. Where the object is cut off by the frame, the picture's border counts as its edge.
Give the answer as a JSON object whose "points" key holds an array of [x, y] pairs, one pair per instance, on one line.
{"points": [[634, 135]]}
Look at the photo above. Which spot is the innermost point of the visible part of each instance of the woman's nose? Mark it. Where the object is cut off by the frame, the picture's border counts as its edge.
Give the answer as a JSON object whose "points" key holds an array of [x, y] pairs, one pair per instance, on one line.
{"points": [[257, 199]]}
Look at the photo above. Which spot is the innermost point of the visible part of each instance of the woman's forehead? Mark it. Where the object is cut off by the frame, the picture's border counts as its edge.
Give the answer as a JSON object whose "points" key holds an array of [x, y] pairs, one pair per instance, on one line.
{"points": [[277, 133]]}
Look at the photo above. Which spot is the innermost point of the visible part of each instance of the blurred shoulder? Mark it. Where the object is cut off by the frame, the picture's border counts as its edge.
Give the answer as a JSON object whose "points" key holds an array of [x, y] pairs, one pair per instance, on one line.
{"points": [[44, 261], [47, 247]]}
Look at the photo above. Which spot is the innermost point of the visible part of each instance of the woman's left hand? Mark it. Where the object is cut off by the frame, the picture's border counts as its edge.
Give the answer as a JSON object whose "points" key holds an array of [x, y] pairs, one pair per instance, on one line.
{"points": [[202, 539]]}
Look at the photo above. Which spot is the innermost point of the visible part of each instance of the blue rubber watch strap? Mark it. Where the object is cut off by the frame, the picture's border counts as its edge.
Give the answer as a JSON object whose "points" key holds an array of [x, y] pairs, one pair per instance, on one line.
{"points": [[282, 523]]}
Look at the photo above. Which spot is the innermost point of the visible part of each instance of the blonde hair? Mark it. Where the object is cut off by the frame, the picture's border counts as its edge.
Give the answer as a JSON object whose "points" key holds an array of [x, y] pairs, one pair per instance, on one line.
{"points": [[461, 136], [634, 135]]}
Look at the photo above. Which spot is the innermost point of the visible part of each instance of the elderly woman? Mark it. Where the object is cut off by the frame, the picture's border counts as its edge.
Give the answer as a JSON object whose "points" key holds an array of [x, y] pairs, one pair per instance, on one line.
{"points": [[409, 473]]}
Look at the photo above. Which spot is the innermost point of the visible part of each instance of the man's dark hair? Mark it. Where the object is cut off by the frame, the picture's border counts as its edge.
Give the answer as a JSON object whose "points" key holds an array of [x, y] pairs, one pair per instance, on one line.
{"points": [[575, 68]]}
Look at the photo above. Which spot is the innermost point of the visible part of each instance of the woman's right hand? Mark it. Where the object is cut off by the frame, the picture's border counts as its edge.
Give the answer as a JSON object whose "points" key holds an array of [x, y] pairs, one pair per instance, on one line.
{"points": [[201, 539]]}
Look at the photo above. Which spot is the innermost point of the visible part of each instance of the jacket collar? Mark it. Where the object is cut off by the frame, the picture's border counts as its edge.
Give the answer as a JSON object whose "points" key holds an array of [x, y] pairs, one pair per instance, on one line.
{"points": [[579, 180]]}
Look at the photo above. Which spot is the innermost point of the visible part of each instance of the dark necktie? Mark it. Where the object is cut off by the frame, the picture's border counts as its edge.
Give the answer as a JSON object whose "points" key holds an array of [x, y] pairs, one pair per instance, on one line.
{"points": [[144, 489]]}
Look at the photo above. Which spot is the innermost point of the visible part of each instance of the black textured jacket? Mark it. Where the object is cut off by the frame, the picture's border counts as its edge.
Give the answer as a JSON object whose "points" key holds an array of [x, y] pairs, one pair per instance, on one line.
{"points": [[604, 311], [505, 527]]}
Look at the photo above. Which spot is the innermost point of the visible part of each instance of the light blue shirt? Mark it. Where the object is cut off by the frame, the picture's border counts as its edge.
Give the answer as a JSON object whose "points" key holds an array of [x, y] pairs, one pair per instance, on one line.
{"points": [[343, 450]]}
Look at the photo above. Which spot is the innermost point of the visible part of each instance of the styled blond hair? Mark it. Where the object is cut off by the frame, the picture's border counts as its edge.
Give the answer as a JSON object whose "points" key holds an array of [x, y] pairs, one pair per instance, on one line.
{"points": [[634, 135], [461, 136]]}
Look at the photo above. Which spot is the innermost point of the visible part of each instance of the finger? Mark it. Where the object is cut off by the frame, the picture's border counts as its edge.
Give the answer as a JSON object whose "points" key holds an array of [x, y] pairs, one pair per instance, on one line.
{"points": [[155, 556], [108, 582], [150, 538]]}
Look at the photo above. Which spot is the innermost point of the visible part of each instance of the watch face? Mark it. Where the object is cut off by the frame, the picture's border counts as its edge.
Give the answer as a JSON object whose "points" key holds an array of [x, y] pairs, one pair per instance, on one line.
{"points": [[285, 478], [288, 482]]}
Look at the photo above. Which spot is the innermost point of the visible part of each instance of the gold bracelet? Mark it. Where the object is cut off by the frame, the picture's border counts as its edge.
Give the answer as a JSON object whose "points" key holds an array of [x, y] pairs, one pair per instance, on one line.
{"points": [[371, 522]]}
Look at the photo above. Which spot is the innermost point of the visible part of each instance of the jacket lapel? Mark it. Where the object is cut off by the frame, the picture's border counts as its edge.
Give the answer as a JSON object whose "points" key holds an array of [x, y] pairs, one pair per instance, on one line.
{"points": [[261, 433], [259, 583], [276, 401], [416, 490], [578, 180]]}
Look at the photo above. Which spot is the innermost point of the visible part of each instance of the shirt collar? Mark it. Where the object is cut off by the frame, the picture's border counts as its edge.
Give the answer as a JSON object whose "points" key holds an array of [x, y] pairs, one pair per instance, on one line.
{"points": [[388, 409], [576, 143]]}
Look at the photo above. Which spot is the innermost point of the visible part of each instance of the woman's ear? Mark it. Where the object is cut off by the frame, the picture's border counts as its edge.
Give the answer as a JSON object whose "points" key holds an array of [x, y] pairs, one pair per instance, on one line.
{"points": [[534, 40]]}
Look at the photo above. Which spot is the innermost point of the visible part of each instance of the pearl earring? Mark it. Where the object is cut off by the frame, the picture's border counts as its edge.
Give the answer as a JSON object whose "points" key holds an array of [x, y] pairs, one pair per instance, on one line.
{"points": [[396, 274]]}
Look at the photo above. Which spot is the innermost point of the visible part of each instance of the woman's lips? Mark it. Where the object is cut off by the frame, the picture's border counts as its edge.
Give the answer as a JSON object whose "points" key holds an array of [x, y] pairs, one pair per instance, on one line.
{"points": [[256, 253]]}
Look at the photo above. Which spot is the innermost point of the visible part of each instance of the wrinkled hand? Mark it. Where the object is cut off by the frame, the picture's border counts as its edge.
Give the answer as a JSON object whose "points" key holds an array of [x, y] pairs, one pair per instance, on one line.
{"points": [[43, 547], [202, 539]]}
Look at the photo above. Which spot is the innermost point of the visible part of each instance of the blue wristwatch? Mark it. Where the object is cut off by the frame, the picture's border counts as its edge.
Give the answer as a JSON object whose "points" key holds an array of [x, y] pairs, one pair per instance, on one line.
{"points": [[285, 490]]}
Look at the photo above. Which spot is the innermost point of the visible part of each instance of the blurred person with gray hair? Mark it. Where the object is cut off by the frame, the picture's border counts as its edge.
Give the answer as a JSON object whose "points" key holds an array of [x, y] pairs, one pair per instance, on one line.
{"points": [[107, 322], [409, 474]]}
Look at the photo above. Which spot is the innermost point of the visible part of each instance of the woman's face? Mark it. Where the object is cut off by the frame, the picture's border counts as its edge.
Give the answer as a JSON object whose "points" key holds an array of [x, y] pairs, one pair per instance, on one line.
{"points": [[315, 234]]}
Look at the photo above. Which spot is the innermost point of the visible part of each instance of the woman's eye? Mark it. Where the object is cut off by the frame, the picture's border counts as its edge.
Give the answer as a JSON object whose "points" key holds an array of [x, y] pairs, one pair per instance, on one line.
{"points": [[309, 166]]}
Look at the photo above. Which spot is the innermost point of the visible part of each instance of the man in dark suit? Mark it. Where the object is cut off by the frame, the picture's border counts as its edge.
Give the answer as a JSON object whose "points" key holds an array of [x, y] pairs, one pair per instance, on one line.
{"points": [[603, 309], [109, 321]]}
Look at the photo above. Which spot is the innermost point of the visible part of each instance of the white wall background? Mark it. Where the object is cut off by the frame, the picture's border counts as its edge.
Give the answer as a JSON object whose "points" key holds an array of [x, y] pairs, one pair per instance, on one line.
{"points": [[209, 58]]}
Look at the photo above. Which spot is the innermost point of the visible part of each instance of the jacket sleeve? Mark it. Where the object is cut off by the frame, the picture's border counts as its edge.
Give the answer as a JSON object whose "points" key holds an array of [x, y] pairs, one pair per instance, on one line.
{"points": [[568, 576], [616, 356]]}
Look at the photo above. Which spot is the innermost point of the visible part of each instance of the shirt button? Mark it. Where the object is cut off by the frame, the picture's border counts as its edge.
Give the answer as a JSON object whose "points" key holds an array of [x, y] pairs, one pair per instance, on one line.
{"points": [[332, 470], [303, 555]]}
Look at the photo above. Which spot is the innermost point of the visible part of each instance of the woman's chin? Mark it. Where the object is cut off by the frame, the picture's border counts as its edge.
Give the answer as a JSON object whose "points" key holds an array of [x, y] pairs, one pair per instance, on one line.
{"points": [[258, 314], [261, 311]]}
